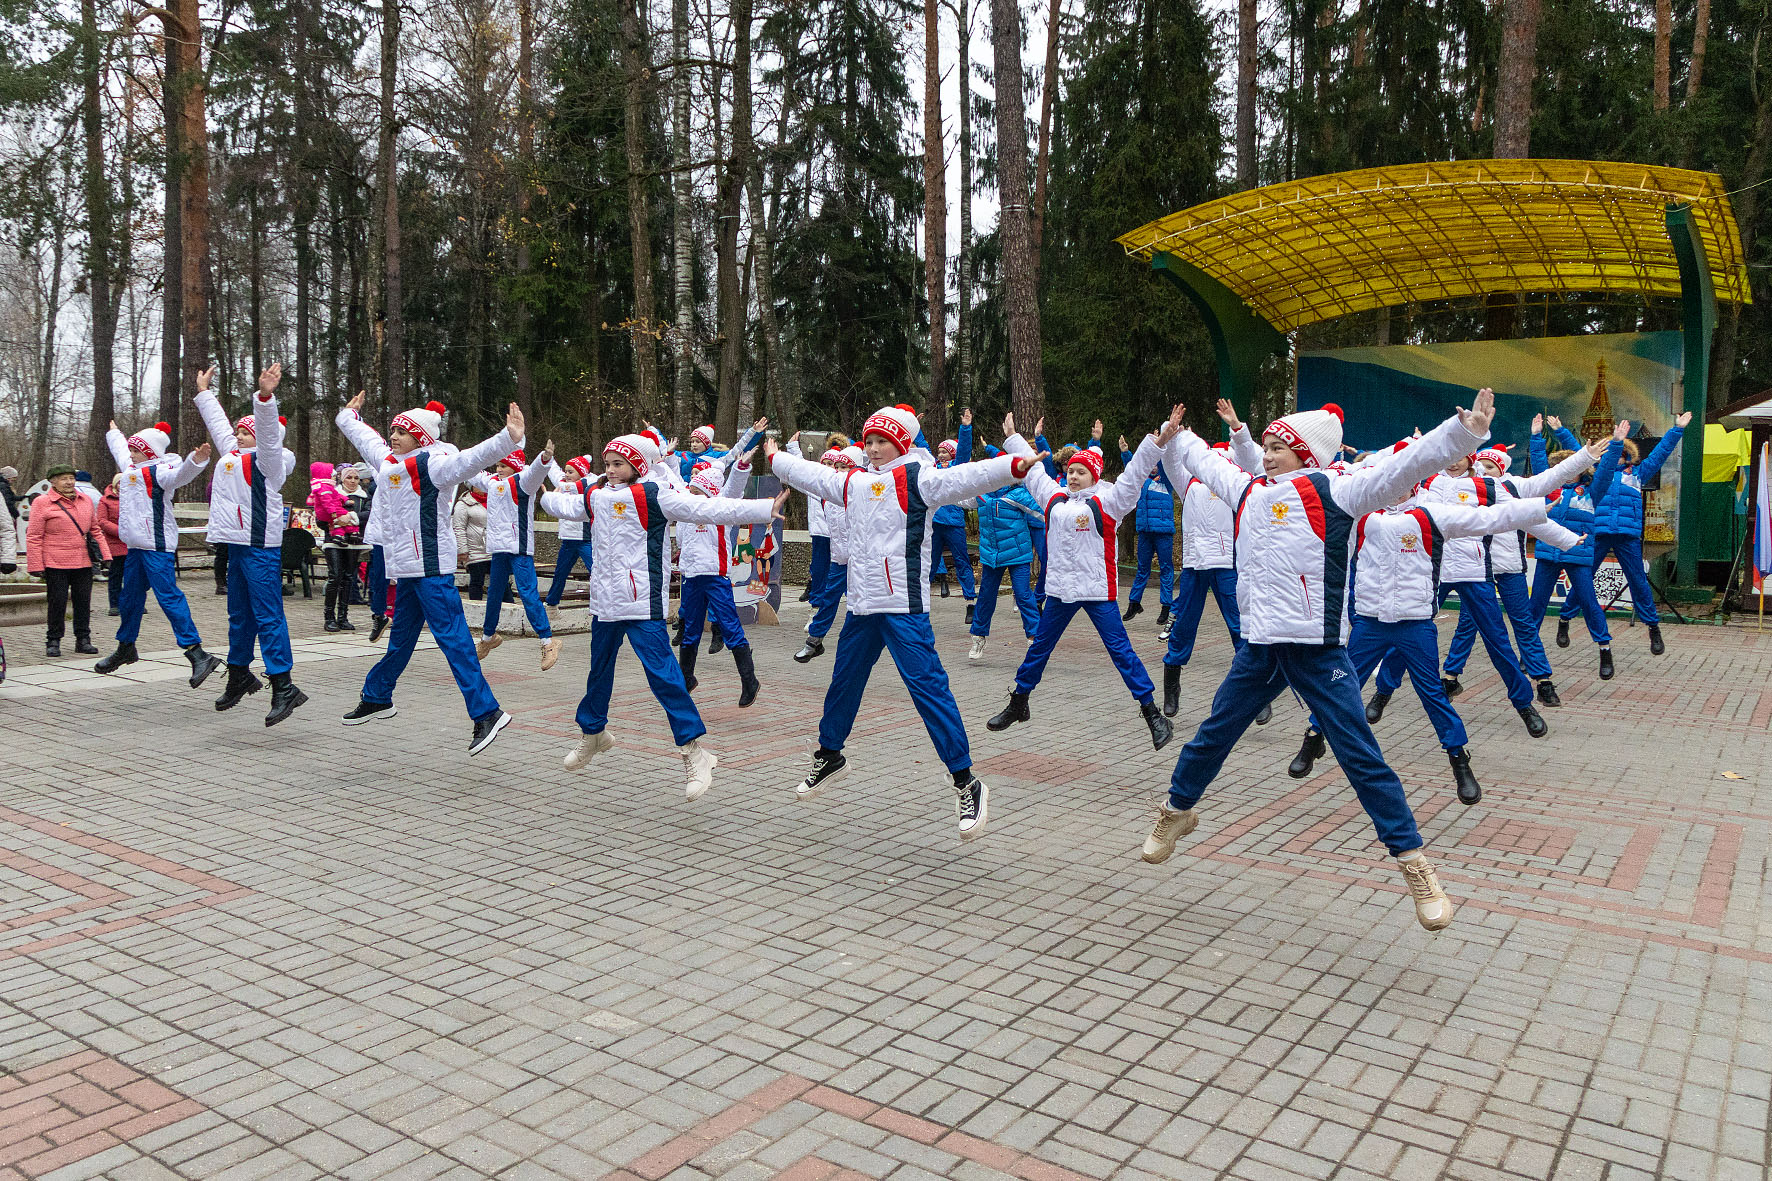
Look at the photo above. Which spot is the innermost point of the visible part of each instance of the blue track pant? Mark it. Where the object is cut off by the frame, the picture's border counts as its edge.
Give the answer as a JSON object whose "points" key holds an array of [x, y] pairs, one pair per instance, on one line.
{"points": [[711, 594], [1325, 678], [951, 540], [1190, 601], [911, 641], [820, 569], [1476, 599], [1629, 552], [652, 644], [1161, 547], [144, 568], [992, 584], [1516, 601], [255, 607], [435, 602], [1105, 616], [572, 552], [1581, 593], [826, 598], [518, 569], [1039, 536], [1416, 644], [378, 581]]}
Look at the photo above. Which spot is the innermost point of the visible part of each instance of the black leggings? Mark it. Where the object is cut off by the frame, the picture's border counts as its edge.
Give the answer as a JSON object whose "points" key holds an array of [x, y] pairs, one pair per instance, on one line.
{"points": [[341, 581], [477, 579]]}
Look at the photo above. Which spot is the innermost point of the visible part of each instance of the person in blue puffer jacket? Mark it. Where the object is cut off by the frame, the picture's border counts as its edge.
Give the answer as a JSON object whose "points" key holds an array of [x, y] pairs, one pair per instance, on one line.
{"points": [[1574, 511], [1155, 521], [1618, 529], [950, 520], [1007, 520], [701, 450]]}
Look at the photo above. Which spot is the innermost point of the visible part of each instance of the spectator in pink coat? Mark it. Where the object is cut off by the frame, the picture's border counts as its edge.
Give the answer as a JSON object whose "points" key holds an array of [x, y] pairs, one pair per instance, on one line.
{"points": [[62, 544]]}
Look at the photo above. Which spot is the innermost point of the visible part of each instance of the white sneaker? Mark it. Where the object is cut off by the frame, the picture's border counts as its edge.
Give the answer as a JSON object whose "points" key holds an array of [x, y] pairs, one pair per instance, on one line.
{"points": [[1432, 908], [977, 652], [1172, 824], [699, 762], [550, 652], [487, 644], [588, 747]]}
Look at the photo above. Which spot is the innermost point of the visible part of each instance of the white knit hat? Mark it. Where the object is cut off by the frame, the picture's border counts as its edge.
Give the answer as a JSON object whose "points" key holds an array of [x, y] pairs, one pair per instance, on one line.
{"points": [[1313, 435], [856, 455], [706, 479], [897, 423], [155, 440], [1496, 455], [424, 424], [705, 434], [637, 450]]}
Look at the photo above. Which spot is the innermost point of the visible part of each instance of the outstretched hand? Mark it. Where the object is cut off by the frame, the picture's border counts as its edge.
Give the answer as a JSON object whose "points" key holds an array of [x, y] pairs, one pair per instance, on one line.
{"points": [[1009, 424], [1621, 432], [1040, 426], [761, 425], [202, 453], [1123, 446], [1597, 447], [269, 380], [1172, 425], [547, 452], [1682, 419], [781, 504], [1228, 413], [771, 448], [1021, 465], [356, 403], [1476, 420], [1553, 422], [204, 377], [1538, 424], [966, 416], [1095, 431], [514, 422]]}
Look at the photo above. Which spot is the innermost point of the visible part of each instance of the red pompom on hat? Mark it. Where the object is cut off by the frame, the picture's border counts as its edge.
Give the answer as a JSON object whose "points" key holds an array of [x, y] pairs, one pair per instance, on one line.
{"points": [[1337, 411], [1090, 458], [425, 424]]}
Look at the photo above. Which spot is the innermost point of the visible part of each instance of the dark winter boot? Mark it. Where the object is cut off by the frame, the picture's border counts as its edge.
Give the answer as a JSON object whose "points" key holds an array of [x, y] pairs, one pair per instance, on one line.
{"points": [[748, 684], [814, 646], [1451, 686], [806, 595], [83, 646], [1163, 617], [1015, 711], [716, 641], [1547, 694], [1535, 724], [1308, 754], [377, 625], [1161, 730], [1605, 664], [944, 586], [1375, 707], [970, 607], [285, 697], [686, 661], [202, 664], [1562, 633], [1469, 790], [1656, 647], [1133, 607], [1266, 715], [52, 647], [241, 682], [331, 607], [125, 654], [1171, 690]]}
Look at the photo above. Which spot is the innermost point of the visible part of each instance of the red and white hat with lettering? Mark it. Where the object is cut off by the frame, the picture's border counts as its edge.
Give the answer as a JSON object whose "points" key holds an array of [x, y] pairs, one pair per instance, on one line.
{"points": [[636, 449], [705, 480], [244, 425], [951, 446], [582, 464], [896, 424], [1088, 457], [425, 424], [832, 457], [516, 459], [855, 455], [1496, 455], [1313, 435], [154, 440], [705, 434]]}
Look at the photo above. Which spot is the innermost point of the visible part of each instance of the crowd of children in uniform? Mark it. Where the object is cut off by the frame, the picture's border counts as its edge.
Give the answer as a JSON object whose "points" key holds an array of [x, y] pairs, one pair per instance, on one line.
{"points": [[1326, 571]]}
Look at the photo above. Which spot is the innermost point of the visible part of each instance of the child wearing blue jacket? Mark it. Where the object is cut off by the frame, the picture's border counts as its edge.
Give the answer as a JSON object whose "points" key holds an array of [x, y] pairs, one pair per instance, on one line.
{"points": [[1154, 520], [1006, 520], [950, 520], [1618, 528], [1574, 510]]}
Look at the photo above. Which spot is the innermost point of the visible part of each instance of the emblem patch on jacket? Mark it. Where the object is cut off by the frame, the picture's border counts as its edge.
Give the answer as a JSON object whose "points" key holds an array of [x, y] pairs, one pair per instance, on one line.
{"points": [[877, 490], [1280, 511], [1410, 542]]}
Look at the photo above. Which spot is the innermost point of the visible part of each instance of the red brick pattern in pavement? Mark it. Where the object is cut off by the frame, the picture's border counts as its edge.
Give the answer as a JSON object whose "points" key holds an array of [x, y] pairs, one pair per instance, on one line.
{"points": [[75, 1107]]}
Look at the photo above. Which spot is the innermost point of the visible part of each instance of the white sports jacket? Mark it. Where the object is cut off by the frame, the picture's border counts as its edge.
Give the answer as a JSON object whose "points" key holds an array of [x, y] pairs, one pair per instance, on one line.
{"points": [[1082, 556], [1399, 552], [1479, 559], [510, 509], [245, 496], [144, 510], [703, 548]]}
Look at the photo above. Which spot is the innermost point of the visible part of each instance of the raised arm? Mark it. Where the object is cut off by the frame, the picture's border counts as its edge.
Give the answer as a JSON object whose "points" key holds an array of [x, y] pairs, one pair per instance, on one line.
{"points": [[215, 419], [714, 510], [119, 448], [803, 475], [1039, 482], [963, 444], [531, 477], [950, 485], [1121, 496], [359, 434], [273, 462], [1544, 482], [188, 468], [568, 504], [737, 476], [1458, 520], [1651, 467], [1209, 466], [452, 469], [1245, 451], [1381, 485], [1605, 470], [1567, 438]]}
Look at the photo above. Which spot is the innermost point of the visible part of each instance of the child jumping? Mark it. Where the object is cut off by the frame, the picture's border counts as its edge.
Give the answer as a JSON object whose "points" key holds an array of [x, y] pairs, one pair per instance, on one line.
{"points": [[629, 514], [1295, 526], [702, 555], [148, 528], [1618, 524], [890, 542], [574, 549], [830, 584], [416, 475], [1574, 510], [510, 544], [1081, 520]]}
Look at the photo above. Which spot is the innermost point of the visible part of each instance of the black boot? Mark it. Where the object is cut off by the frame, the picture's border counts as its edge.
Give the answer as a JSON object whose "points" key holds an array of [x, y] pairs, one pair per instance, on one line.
{"points": [[202, 664], [686, 661], [1308, 754], [1562, 633], [284, 698], [1605, 664], [1547, 694], [83, 646], [331, 606], [241, 682], [1133, 607], [125, 654], [377, 625], [1469, 790], [1161, 730], [1656, 647], [1163, 617], [748, 684], [944, 586], [1375, 707], [1266, 715], [814, 646], [677, 633], [969, 609], [1015, 711], [1535, 724], [806, 595], [716, 641], [1451, 686], [1171, 690]]}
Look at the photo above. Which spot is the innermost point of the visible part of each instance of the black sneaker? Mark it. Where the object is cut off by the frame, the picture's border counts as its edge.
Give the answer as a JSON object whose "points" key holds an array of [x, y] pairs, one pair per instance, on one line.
{"points": [[486, 729], [1605, 664], [1375, 707], [1266, 715], [973, 803], [1547, 694], [828, 766], [1133, 607], [378, 624], [970, 607], [367, 711], [1535, 724], [1451, 686], [1562, 633], [1308, 754], [1656, 647]]}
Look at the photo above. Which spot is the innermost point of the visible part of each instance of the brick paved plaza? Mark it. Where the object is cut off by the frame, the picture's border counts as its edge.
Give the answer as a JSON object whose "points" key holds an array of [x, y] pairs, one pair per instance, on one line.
{"points": [[227, 951]]}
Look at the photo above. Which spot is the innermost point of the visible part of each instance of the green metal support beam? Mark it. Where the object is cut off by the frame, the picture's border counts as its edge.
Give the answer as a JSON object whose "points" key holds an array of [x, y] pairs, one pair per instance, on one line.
{"points": [[1698, 320], [1241, 339]]}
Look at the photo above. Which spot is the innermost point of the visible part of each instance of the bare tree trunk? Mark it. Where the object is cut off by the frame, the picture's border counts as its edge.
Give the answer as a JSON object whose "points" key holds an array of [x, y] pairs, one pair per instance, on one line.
{"points": [[1048, 88], [525, 180], [1021, 295], [392, 333], [1246, 73], [642, 332], [963, 312], [172, 315], [1518, 75], [682, 223], [777, 398], [255, 279], [732, 178], [1664, 35], [48, 312], [98, 249], [1700, 41], [935, 222], [193, 215]]}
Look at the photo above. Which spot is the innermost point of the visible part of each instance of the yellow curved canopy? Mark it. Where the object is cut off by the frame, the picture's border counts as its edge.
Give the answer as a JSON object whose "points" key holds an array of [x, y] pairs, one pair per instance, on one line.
{"points": [[1326, 246]]}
